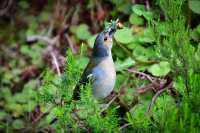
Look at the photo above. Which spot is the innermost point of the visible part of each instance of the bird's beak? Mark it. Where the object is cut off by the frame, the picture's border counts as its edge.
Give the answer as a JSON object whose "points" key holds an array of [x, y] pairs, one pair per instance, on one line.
{"points": [[111, 32], [109, 35]]}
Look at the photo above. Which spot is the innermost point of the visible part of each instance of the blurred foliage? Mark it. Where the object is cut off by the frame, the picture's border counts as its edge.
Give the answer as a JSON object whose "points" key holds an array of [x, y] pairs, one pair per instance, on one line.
{"points": [[160, 38]]}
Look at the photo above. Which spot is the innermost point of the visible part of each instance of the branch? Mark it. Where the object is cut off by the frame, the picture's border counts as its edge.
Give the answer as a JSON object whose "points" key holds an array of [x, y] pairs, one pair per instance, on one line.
{"points": [[7, 5], [146, 88], [110, 102], [55, 61], [41, 115], [70, 43], [124, 126], [152, 79], [45, 39], [122, 90], [157, 94]]}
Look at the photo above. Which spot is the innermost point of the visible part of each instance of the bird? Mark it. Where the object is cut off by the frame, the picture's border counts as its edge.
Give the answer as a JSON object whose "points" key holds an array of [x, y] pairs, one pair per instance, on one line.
{"points": [[101, 68]]}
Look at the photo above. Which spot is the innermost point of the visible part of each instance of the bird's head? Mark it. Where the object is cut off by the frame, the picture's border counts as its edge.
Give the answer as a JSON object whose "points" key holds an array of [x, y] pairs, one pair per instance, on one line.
{"points": [[103, 43]]}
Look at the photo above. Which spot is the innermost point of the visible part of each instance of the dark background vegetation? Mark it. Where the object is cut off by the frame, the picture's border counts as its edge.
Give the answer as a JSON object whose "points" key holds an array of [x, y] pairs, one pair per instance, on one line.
{"points": [[45, 44]]}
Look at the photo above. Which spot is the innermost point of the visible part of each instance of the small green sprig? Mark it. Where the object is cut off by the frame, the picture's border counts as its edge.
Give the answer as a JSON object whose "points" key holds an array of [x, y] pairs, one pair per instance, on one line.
{"points": [[113, 25]]}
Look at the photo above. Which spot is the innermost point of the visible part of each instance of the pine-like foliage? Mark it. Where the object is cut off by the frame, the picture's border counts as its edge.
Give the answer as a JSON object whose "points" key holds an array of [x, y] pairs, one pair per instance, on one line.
{"points": [[173, 40], [76, 116], [173, 45]]}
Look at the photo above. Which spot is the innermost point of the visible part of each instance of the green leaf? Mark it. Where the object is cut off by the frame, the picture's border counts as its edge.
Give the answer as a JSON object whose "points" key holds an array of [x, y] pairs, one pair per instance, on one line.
{"points": [[83, 61], [148, 15], [82, 32], [195, 35], [23, 4], [198, 28], [132, 45], [16, 109], [123, 36], [18, 124], [135, 19], [91, 41], [147, 36], [121, 65], [29, 106], [3, 114], [30, 52], [20, 98], [120, 80], [194, 6], [138, 9], [118, 52], [161, 69], [163, 28], [125, 8], [142, 53], [44, 16]]}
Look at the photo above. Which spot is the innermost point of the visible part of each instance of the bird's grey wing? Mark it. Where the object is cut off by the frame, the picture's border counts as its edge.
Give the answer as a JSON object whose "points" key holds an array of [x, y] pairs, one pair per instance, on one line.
{"points": [[83, 80]]}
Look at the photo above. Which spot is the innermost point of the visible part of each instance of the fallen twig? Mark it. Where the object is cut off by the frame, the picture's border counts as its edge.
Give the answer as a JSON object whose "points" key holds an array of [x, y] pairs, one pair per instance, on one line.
{"points": [[156, 83], [41, 115], [110, 102], [150, 78], [55, 61], [70, 43], [45, 39], [122, 90], [146, 88], [157, 94], [8, 5], [124, 126]]}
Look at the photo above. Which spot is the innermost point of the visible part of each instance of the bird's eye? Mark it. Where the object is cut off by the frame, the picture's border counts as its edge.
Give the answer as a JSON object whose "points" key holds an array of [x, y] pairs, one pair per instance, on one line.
{"points": [[105, 38]]}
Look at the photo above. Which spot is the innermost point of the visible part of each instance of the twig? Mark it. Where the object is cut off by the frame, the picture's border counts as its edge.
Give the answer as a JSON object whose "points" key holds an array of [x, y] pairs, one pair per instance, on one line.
{"points": [[147, 4], [7, 7], [124, 126], [157, 94], [146, 88], [70, 43], [110, 102], [55, 61], [42, 115], [122, 90], [141, 73], [145, 75], [45, 39], [51, 26]]}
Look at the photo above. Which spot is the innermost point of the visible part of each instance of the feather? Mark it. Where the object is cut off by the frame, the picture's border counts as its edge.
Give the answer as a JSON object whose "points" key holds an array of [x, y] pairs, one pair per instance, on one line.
{"points": [[83, 80]]}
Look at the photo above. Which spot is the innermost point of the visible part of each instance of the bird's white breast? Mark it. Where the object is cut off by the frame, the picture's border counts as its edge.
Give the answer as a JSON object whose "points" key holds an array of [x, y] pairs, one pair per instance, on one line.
{"points": [[104, 78]]}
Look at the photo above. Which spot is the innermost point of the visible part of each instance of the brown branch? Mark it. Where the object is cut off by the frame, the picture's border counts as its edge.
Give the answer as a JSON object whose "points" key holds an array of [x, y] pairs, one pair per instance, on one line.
{"points": [[147, 4], [110, 102], [41, 115], [4, 10], [45, 39], [146, 88], [122, 90], [157, 94], [150, 78], [143, 74]]}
